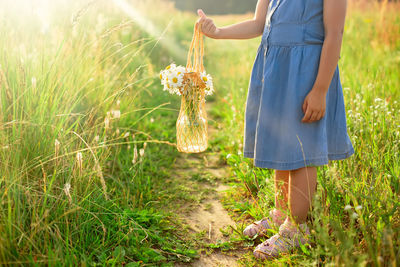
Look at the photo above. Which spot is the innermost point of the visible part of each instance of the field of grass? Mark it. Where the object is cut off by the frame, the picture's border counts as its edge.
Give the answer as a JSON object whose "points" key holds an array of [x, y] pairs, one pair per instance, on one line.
{"points": [[87, 138]]}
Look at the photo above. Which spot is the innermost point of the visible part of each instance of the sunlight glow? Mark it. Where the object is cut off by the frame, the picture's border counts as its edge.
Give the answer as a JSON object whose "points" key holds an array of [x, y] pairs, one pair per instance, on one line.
{"points": [[173, 48]]}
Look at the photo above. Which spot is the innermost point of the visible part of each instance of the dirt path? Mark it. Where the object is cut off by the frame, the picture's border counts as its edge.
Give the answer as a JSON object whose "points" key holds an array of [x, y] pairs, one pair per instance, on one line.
{"points": [[209, 216]]}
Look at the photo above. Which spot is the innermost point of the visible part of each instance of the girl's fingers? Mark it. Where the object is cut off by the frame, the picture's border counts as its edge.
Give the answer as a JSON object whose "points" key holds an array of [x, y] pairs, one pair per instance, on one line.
{"points": [[206, 25], [315, 116], [201, 13], [307, 116], [304, 106], [201, 20], [209, 27]]}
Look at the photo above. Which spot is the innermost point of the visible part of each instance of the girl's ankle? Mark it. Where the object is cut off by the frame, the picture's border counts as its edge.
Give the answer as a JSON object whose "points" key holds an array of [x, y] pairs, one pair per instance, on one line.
{"points": [[291, 229], [277, 216]]}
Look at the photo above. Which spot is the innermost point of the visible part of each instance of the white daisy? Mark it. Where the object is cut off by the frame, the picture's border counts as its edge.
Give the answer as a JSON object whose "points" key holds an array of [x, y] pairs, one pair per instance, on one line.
{"points": [[180, 70], [175, 80], [207, 79], [171, 67], [163, 77]]}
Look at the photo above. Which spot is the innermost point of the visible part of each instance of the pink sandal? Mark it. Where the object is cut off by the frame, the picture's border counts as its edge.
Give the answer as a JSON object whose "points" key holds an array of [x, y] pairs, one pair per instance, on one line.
{"points": [[262, 226], [289, 237]]}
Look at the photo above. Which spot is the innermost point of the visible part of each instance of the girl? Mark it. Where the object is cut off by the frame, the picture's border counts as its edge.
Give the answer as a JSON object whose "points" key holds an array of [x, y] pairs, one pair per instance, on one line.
{"points": [[295, 116]]}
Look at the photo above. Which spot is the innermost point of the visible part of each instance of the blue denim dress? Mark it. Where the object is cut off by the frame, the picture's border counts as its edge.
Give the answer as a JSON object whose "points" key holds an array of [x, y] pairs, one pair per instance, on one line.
{"points": [[283, 73]]}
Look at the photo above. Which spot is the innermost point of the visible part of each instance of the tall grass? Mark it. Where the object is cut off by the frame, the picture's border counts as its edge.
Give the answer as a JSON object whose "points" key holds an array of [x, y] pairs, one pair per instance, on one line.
{"points": [[78, 153]]}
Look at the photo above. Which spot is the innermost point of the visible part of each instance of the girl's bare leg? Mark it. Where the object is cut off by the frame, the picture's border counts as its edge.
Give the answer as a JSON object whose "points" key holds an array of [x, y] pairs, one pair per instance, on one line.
{"points": [[281, 190], [302, 184]]}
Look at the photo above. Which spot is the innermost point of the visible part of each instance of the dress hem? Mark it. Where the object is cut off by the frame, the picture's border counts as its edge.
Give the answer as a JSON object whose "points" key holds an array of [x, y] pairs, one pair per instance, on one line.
{"points": [[297, 164]]}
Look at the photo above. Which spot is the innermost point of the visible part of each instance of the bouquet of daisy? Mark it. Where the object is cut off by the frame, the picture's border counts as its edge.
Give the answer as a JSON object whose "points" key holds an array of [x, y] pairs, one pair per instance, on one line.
{"points": [[172, 78], [192, 83]]}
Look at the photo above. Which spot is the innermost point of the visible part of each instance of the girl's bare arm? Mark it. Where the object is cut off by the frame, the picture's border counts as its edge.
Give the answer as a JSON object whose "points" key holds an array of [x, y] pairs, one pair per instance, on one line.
{"points": [[242, 30], [334, 18]]}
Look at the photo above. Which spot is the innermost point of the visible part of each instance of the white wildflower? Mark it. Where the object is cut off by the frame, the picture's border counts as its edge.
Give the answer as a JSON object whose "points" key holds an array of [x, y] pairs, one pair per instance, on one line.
{"points": [[175, 80], [359, 207], [354, 215], [207, 79], [141, 152], [171, 67], [180, 70], [116, 114], [347, 207]]}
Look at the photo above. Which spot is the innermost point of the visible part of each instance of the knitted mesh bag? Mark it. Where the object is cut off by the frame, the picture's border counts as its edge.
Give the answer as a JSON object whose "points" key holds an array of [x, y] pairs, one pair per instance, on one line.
{"points": [[191, 126]]}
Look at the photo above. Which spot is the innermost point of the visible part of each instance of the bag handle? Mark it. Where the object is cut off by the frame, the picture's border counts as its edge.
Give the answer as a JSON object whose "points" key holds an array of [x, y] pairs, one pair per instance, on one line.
{"points": [[196, 50]]}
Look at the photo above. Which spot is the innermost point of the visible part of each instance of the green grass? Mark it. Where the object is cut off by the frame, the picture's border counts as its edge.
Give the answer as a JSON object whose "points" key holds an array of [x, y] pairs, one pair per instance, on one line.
{"points": [[76, 101], [62, 89]]}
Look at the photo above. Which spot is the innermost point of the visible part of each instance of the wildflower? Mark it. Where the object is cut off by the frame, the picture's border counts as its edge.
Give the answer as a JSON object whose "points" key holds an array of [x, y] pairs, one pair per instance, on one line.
{"points": [[359, 207], [354, 215], [151, 120], [228, 156], [171, 67], [163, 77], [116, 114], [175, 80], [180, 70], [207, 79], [126, 134], [348, 207]]}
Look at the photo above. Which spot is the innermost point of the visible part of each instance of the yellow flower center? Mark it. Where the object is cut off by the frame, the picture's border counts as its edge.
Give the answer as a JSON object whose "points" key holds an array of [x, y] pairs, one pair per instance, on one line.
{"points": [[205, 78], [179, 73], [167, 68], [175, 80], [161, 76]]}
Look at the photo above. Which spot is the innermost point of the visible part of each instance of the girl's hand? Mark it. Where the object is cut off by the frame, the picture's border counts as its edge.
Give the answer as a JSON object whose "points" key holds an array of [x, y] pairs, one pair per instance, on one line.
{"points": [[207, 25], [314, 106]]}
